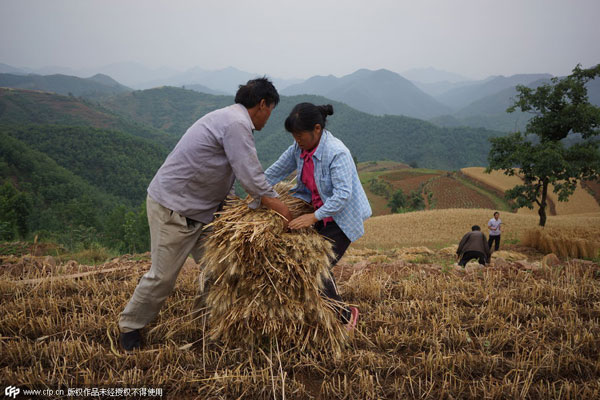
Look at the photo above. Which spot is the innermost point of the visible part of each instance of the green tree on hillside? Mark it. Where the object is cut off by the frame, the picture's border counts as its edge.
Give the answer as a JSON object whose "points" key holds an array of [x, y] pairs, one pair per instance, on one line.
{"points": [[380, 188], [560, 107], [14, 212], [416, 201], [398, 201]]}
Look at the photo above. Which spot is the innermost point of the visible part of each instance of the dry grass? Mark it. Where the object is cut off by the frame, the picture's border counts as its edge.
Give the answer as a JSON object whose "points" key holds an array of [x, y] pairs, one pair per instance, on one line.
{"points": [[427, 329], [265, 281], [582, 242], [423, 333], [581, 202], [440, 228]]}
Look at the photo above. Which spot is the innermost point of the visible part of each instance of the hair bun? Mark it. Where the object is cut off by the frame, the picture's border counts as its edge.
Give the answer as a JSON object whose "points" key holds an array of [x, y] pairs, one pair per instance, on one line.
{"points": [[326, 110]]}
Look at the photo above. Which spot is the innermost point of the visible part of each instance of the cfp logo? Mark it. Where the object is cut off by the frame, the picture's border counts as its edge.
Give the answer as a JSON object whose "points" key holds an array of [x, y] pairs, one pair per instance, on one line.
{"points": [[12, 391]]}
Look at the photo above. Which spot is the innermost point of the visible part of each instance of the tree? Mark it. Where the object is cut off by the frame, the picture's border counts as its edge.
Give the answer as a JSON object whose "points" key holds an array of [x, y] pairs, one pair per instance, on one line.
{"points": [[416, 201], [560, 108], [15, 208], [398, 201]]}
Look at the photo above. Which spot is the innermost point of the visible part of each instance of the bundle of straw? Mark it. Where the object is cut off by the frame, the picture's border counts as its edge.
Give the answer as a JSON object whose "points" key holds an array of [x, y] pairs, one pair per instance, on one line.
{"points": [[265, 280]]}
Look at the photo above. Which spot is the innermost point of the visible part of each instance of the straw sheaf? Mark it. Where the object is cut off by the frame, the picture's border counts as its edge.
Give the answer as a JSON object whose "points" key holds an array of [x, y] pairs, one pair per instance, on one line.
{"points": [[266, 280]]}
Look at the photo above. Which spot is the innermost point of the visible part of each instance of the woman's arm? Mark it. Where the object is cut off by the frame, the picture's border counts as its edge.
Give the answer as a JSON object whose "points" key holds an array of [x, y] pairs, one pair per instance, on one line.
{"points": [[280, 169]]}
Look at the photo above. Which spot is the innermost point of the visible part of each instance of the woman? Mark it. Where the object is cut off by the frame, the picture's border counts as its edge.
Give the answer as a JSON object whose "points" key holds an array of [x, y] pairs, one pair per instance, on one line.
{"points": [[326, 178]]}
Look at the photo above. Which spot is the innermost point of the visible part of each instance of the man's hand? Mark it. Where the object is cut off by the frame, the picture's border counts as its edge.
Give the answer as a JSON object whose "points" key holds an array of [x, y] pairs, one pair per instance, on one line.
{"points": [[303, 221], [277, 205]]}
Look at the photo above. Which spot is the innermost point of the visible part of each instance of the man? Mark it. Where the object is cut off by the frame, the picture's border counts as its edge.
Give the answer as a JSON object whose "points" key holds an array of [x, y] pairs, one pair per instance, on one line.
{"points": [[473, 246], [494, 227], [190, 187]]}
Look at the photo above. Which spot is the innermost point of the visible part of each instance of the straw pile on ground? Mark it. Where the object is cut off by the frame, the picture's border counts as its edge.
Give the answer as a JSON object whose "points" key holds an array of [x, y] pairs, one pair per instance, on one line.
{"points": [[579, 242], [265, 281]]}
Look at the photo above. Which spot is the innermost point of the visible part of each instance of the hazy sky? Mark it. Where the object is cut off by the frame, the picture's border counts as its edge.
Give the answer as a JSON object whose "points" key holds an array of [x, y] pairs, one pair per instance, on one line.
{"points": [[301, 38]]}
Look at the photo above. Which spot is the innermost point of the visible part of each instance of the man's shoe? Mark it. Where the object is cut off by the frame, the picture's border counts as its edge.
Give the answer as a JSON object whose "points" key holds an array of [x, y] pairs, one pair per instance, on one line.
{"points": [[353, 318], [131, 340]]}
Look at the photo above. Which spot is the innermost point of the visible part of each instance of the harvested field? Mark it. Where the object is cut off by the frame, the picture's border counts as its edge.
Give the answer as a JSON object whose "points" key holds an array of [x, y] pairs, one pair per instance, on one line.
{"points": [[426, 331], [451, 193], [445, 227], [407, 181], [375, 166], [448, 189], [581, 202]]}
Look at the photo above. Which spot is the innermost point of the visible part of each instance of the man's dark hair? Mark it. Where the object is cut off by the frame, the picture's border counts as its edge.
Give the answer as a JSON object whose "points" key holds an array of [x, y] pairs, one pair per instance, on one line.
{"points": [[255, 90], [475, 228]]}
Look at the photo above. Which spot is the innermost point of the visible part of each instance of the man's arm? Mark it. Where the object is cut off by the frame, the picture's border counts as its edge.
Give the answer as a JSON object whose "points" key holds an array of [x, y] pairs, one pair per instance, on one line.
{"points": [[238, 144]]}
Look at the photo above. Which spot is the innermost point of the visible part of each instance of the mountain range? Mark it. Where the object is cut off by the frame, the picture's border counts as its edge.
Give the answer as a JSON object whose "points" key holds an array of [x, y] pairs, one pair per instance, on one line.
{"points": [[78, 153], [138, 76], [93, 87], [452, 102], [375, 92], [432, 75]]}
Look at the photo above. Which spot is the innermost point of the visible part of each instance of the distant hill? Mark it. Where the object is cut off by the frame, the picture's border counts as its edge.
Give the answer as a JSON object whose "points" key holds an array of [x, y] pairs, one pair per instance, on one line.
{"points": [[54, 198], [225, 80], [460, 97], [170, 109], [95, 87], [222, 81], [9, 69], [105, 159], [432, 75], [369, 137], [26, 107], [490, 111], [204, 89], [129, 73], [435, 89], [376, 92]]}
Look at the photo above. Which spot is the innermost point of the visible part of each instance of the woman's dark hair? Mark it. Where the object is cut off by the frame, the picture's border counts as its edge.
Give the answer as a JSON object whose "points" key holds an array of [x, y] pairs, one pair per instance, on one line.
{"points": [[305, 116], [475, 228], [255, 90]]}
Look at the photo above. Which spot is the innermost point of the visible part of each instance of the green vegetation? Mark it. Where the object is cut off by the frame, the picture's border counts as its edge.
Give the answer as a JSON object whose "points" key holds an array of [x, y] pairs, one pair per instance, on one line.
{"points": [[170, 109], [19, 107], [561, 107], [38, 197], [368, 137], [118, 163], [398, 201], [380, 187]]}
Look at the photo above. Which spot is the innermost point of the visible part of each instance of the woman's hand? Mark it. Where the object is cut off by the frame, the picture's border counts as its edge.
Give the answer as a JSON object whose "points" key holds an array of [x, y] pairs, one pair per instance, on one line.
{"points": [[303, 221]]}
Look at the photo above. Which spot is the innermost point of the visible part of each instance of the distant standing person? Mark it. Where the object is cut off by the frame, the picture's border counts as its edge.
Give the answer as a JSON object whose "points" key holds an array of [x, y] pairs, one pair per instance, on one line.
{"points": [[190, 187], [473, 246], [326, 177], [494, 227]]}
